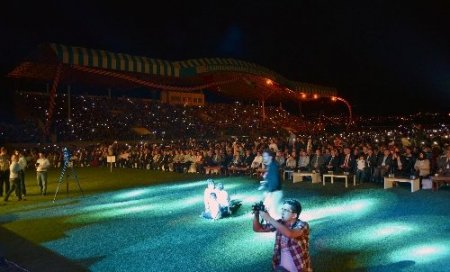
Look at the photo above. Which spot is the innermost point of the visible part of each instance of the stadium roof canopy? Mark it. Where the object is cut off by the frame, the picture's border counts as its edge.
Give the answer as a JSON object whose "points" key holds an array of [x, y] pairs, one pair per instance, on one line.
{"points": [[230, 77]]}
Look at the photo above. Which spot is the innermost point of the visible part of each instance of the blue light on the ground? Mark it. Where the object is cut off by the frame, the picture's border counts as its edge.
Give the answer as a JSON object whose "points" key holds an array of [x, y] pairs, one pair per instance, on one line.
{"points": [[248, 198], [115, 205], [351, 208], [129, 194], [112, 213], [384, 230], [423, 253]]}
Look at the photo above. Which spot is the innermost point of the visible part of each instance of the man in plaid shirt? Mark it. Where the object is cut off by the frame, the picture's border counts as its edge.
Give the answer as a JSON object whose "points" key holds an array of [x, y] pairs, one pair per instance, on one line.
{"points": [[291, 251]]}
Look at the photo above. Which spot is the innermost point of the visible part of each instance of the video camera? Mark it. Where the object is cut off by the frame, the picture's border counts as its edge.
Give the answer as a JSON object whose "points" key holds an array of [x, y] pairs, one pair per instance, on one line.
{"points": [[66, 155], [258, 206]]}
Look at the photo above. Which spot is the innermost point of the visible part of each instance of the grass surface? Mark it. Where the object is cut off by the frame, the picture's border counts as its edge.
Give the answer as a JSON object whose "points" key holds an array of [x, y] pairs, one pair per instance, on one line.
{"points": [[138, 220]]}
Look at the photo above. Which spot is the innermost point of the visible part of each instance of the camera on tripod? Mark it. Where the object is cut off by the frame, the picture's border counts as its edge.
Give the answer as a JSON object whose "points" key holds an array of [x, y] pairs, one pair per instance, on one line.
{"points": [[258, 206]]}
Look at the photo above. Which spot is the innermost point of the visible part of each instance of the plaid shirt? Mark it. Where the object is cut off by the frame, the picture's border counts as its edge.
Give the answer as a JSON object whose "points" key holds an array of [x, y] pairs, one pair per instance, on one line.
{"points": [[298, 247]]}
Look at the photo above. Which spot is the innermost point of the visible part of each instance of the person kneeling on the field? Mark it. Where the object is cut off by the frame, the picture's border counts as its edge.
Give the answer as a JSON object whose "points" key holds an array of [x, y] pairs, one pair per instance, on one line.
{"points": [[217, 202], [212, 210], [224, 200]]}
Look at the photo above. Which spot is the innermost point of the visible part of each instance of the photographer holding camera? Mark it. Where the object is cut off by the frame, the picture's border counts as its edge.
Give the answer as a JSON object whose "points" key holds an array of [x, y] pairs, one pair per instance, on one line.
{"points": [[291, 250]]}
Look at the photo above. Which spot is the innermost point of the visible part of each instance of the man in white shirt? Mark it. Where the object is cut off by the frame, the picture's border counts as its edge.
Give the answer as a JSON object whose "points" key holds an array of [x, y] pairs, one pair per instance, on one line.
{"points": [[23, 165], [14, 169], [42, 165]]}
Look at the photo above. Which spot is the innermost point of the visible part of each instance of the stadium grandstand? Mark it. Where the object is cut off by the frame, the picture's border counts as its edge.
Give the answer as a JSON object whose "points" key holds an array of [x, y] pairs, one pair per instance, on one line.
{"points": [[176, 82]]}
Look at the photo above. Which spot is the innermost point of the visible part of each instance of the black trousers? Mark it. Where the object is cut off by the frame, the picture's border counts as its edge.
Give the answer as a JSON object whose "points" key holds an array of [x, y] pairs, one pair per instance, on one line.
{"points": [[22, 182], [4, 180]]}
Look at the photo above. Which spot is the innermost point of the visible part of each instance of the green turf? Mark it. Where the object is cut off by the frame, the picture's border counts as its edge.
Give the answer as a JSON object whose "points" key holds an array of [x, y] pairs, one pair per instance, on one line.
{"points": [[138, 220], [91, 180]]}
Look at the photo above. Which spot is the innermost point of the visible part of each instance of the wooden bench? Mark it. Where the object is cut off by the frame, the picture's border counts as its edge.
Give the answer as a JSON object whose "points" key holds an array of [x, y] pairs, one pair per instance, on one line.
{"points": [[192, 168], [298, 176], [258, 172], [438, 181], [332, 176], [212, 170], [238, 169], [289, 174], [389, 183]]}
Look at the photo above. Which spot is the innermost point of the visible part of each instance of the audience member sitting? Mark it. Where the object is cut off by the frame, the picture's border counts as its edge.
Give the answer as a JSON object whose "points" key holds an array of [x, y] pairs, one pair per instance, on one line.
{"points": [[360, 169], [396, 166], [347, 161], [444, 164], [317, 162], [422, 167], [333, 162], [303, 161], [291, 162], [257, 161]]}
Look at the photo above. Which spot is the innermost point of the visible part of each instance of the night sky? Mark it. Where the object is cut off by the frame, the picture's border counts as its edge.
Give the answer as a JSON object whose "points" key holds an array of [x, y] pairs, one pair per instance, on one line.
{"points": [[382, 56]]}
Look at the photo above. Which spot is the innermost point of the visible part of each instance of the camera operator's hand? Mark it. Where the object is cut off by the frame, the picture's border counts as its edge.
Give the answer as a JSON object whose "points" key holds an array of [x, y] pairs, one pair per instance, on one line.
{"points": [[265, 215], [256, 213], [263, 185]]}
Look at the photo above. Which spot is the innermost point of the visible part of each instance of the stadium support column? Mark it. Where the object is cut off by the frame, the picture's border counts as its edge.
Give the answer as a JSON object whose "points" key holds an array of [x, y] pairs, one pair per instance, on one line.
{"points": [[68, 103], [263, 110], [51, 100], [349, 108], [300, 108]]}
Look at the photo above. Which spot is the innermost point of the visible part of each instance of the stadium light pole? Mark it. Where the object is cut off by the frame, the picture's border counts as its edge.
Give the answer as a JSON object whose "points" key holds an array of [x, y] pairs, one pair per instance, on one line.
{"points": [[349, 107]]}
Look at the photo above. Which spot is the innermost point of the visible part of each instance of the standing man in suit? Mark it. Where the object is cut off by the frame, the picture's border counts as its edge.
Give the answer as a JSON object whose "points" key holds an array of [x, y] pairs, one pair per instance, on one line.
{"points": [[271, 185]]}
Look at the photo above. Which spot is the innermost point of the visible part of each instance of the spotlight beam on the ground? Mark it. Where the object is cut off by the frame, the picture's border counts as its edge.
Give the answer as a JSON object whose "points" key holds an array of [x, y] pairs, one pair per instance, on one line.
{"points": [[424, 252], [351, 208]]}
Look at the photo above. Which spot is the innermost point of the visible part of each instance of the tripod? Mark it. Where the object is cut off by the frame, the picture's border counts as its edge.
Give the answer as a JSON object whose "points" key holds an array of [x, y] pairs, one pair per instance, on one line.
{"points": [[64, 176]]}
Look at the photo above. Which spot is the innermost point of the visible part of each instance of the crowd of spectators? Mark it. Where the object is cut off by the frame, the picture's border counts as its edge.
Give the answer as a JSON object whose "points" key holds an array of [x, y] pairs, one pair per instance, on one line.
{"points": [[92, 118], [325, 152], [98, 117], [194, 139]]}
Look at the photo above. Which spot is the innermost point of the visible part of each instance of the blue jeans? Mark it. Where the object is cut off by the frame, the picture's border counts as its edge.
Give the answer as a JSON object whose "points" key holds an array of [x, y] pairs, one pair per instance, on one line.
{"points": [[15, 186], [42, 181]]}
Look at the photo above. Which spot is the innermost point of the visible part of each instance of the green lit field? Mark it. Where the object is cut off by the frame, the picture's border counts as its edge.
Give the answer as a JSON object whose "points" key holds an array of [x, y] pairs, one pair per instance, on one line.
{"points": [[138, 220]]}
